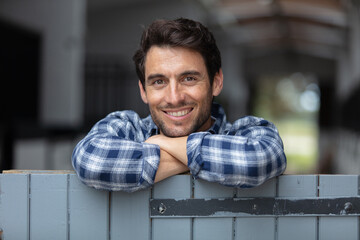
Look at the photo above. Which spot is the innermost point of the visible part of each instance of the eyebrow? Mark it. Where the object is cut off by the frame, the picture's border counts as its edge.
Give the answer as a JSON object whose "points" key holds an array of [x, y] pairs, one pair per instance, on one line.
{"points": [[191, 72], [158, 75]]}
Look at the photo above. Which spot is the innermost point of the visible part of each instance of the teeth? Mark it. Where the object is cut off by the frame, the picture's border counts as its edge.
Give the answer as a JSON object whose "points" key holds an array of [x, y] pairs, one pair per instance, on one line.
{"points": [[178, 114]]}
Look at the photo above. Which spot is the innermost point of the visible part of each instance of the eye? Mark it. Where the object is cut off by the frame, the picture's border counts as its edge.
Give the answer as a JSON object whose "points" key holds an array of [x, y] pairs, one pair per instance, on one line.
{"points": [[158, 82], [189, 79]]}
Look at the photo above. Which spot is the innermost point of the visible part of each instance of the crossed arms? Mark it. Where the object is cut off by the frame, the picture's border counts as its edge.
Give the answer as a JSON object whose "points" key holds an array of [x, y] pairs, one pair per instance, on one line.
{"points": [[119, 153], [173, 158]]}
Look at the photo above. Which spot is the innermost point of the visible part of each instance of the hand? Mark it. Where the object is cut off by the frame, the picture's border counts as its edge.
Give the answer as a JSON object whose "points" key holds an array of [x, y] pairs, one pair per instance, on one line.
{"points": [[174, 146], [168, 166], [170, 154]]}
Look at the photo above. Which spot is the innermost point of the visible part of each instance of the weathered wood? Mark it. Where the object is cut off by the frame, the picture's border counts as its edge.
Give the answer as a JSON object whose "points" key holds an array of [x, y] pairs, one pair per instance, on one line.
{"points": [[345, 228], [88, 211], [56, 205], [248, 227], [176, 187], [129, 215], [297, 187], [14, 206], [15, 171], [48, 206], [210, 228]]}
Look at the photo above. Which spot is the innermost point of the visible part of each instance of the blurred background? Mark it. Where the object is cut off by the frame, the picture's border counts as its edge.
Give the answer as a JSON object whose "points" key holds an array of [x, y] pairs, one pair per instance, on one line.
{"points": [[66, 64]]}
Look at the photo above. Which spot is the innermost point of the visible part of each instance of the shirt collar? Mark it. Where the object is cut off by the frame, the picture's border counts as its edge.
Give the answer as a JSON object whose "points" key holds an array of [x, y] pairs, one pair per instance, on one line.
{"points": [[218, 114]]}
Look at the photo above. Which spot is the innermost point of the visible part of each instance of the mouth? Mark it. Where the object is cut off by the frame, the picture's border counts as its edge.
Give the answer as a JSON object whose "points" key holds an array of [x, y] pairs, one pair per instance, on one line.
{"points": [[179, 113]]}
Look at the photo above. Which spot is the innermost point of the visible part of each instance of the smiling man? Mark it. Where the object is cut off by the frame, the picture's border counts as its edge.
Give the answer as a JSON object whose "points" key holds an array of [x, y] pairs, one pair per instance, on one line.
{"points": [[179, 70], [178, 90]]}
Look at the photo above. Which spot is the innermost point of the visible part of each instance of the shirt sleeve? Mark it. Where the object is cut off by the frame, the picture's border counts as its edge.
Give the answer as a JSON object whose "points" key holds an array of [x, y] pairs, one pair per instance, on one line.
{"points": [[246, 156], [113, 156]]}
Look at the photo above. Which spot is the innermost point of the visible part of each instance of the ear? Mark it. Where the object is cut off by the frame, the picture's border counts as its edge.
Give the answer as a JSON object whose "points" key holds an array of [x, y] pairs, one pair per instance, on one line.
{"points": [[142, 92], [218, 83]]}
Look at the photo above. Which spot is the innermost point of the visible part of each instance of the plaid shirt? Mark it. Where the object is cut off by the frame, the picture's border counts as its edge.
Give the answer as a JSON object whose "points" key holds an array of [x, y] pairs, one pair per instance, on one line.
{"points": [[114, 156]]}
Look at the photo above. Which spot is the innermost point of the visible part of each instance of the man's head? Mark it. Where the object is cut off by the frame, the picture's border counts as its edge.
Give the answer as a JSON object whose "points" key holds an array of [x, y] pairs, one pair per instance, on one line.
{"points": [[180, 32], [179, 69]]}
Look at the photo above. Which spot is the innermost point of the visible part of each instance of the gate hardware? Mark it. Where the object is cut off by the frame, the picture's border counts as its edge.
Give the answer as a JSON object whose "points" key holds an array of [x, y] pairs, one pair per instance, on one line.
{"points": [[241, 207]]}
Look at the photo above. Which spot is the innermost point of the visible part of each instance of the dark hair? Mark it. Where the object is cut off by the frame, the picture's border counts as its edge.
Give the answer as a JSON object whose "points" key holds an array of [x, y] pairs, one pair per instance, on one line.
{"points": [[179, 33]]}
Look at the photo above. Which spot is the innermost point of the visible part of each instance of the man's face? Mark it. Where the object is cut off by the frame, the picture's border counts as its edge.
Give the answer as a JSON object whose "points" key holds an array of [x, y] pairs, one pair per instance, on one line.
{"points": [[178, 90]]}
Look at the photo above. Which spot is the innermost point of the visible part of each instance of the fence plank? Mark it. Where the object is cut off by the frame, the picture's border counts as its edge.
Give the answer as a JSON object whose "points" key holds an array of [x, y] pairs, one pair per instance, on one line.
{"points": [[343, 227], [14, 206], [48, 206], [212, 228], [58, 206], [249, 227], [129, 215], [89, 211], [177, 187], [297, 187]]}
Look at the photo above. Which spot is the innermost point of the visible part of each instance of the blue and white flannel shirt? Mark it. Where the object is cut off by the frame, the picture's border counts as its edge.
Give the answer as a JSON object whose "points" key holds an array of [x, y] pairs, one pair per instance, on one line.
{"points": [[113, 156]]}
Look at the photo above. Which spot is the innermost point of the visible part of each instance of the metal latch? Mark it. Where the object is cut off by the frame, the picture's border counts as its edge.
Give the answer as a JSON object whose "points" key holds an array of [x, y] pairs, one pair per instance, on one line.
{"points": [[240, 207]]}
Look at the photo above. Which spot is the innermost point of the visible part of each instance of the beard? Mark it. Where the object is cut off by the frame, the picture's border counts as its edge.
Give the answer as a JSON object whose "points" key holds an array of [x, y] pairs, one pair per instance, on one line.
{"points": [[197, 124]]}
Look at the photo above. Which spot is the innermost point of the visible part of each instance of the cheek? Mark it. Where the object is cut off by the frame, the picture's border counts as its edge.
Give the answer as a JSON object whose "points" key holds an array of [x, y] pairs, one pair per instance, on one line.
{"points": [[154, 98], [202, 94]]}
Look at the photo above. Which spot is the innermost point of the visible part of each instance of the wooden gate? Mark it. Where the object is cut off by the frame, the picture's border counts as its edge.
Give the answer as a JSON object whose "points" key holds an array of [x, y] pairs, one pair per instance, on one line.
{"points": [[55, 205]]}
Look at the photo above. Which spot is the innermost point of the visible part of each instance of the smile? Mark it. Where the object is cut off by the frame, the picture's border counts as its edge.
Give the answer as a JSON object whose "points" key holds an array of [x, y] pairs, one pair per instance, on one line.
{"points": [[179, 113]]}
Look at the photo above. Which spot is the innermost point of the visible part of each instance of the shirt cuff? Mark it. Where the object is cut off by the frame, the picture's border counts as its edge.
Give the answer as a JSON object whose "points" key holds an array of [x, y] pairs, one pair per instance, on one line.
{"points": [[193, 149], [151, 164]]}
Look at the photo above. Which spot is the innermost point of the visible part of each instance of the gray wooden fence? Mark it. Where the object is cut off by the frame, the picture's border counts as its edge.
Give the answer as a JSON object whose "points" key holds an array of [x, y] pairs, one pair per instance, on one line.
{"points": [[43, 205]]}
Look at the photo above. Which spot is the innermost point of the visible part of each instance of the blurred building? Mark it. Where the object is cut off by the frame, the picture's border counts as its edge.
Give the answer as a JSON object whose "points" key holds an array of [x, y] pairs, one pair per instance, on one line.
{"points": [[66, 64]]}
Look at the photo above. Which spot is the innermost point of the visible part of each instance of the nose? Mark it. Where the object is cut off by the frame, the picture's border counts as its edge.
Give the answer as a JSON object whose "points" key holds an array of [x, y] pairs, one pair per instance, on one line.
{"points": [[175, 94]]}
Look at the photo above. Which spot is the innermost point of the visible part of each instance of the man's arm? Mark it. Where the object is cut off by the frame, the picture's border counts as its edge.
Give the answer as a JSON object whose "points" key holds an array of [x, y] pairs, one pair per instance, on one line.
{"points": [[247, 155], [175, 146], [113, 156], [169, 166], [173, 157]]}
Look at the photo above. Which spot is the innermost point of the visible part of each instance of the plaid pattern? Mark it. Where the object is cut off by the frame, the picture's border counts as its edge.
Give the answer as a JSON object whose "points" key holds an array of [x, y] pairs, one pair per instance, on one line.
{"points": [[113, 156]]}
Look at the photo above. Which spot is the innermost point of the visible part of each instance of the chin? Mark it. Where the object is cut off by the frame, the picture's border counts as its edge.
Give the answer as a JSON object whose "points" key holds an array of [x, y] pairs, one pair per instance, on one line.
{"points": [[175, 133]]}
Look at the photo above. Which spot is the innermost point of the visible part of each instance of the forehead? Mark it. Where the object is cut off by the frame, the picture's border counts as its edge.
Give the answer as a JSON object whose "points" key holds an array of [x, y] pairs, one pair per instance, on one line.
{"points": [[171, 59]]}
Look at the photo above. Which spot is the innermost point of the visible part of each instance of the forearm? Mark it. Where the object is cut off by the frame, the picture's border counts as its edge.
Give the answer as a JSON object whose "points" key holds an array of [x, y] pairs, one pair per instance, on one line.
{"points": [[115, 164], [173, 159], [168, 166], [236, 161], [176, 147]]}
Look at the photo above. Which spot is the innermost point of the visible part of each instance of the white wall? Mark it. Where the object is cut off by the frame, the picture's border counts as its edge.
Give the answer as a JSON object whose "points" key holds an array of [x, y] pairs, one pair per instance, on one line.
{"points": [[61, 25]]}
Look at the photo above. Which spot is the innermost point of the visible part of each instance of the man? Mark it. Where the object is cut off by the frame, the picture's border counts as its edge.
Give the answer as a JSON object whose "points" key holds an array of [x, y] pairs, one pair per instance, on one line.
{"points": [[179, 70]]}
